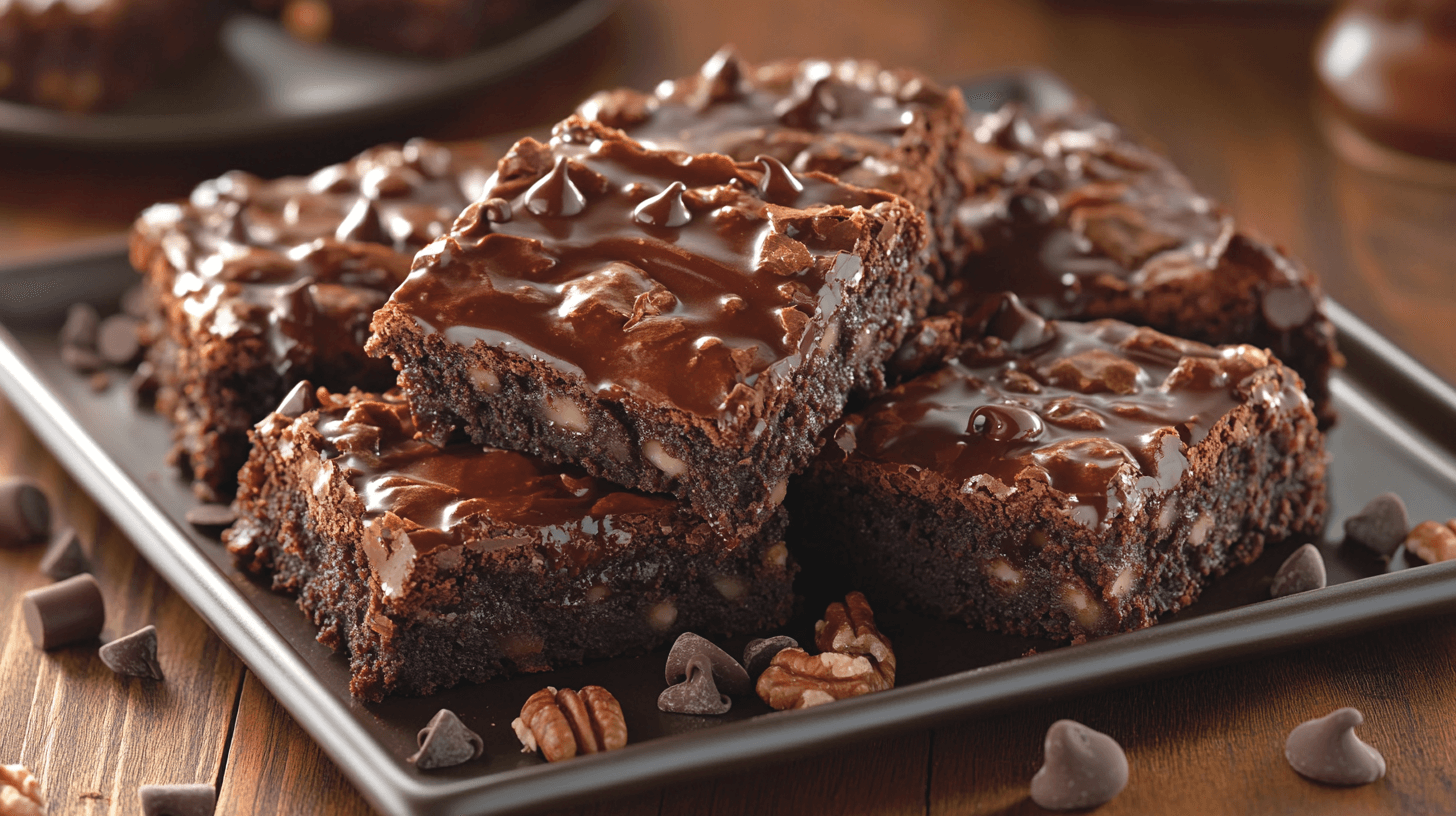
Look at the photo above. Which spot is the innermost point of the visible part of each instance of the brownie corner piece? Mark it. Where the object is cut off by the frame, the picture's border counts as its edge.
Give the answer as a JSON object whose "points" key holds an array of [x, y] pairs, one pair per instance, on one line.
{"points": [[674, 323], [431, 567], [1065, 479]]}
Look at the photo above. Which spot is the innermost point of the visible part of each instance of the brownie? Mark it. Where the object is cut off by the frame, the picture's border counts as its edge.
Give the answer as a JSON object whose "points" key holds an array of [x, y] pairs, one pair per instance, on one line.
{"points": [[85, 55], [1065, 479], [438, 29], [887, 129], [673, 323], [1083, 222], [432, 567], [257, 285]]}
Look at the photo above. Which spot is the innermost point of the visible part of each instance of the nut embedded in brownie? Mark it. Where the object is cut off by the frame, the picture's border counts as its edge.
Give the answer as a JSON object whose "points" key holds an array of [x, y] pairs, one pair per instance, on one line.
{"points": [[886, 129], [260, 284], [433, 567], [1082, 222], [1065, 480], [673, 323]]}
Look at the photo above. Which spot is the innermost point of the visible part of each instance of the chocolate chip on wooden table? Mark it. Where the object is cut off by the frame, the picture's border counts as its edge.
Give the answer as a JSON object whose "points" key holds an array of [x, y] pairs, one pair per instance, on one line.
{"points": [[445, 741], [728, 675], [65, 612], [1302, 571], [1082, 768], [177, 800], [697, 694], [1380, 526], [25, 512], [760, 652], [65, 556], [211, 518], [1327, 750], [134, 655], [119, 340]]}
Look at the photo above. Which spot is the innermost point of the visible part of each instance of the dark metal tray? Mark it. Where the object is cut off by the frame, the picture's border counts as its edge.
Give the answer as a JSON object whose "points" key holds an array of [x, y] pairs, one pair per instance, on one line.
{"points": [[1394, 434]]}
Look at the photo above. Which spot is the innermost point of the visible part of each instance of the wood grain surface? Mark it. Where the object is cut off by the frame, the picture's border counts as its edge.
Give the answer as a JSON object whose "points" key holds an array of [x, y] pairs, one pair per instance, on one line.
{"points": [[1224, 88]]}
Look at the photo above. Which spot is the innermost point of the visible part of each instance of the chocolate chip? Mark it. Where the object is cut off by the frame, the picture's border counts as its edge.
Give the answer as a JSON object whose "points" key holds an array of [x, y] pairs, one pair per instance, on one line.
{"points": [[25, 512], [82, 321], [134, 655], [697, 694], [778, 185], [1031, 207], [760, 652], [211, 518], [1287, 307], [65, 556], [79, 359], [65, 612], [119, 339], [178, 800], [728, 674], [1381, 526], [1301, 571], [1327, 750], [144, 384], [362, 224], [497, 210], [1083, 768], [446, 741], [302, 398], [137, 301]]}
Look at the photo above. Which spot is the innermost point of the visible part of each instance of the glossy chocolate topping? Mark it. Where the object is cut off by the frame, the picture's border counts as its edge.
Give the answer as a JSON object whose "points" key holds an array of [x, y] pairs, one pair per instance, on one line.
{"points": [[1101, 412], [687, 280], [848, 118], [304, 262], [464, 494], [1069, 209]]}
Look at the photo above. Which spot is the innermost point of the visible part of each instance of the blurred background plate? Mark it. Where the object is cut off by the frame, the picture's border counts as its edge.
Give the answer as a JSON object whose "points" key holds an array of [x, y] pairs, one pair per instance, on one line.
{"points": [[262, 84]]}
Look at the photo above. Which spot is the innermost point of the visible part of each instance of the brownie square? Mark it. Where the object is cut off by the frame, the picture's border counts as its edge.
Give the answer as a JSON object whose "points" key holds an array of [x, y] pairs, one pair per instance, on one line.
{"points": [[886, 129], [258, 285], [673, 323], [432, 567], [1063, 479], [1083, 222]]}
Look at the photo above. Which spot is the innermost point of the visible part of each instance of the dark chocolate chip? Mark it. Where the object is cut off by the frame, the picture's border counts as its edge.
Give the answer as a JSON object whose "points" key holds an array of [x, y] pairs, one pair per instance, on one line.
{"points": [[362, 224], [1083, 768], [178, 800], [497, 210], [65, 556], [1327, 750], [119, 340], [211, 518], [728, 674], [1287, 307], [1031, 207], [778, 185], [134, 655], [1381, 526], [446, 741], [144, 384], [555, 195], [666, 209], [65, 612], [697, 694], [722, 75], [82, 321], [301, 399], [137, 301], [25, 512], [82, 360], [759, 653], [1301, 571]]}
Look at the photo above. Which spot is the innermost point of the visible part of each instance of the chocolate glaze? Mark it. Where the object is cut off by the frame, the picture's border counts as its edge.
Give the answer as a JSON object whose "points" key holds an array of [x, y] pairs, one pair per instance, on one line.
{"points": [[463, 494], [1102, 412], [846, 118], [303, 262], [679, 279]]}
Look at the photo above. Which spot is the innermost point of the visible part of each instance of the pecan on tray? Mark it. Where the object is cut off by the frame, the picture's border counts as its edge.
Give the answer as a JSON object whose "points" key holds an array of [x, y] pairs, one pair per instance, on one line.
{"points": [[562, 724], [855, 658]]}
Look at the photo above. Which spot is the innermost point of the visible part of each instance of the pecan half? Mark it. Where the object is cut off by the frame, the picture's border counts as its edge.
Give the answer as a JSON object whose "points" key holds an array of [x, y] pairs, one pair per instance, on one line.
{"points": [[19, 792], [562, 724], [1432, 541], [855, 659]]}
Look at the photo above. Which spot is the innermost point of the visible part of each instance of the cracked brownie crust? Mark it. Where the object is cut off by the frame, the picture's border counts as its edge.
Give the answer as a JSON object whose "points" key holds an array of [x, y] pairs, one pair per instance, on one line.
{"points": [[433, 567]]}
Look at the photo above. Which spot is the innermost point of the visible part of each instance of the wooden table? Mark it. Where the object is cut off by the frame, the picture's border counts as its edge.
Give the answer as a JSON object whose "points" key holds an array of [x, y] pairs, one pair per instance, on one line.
{"points": [[1227, 91]]}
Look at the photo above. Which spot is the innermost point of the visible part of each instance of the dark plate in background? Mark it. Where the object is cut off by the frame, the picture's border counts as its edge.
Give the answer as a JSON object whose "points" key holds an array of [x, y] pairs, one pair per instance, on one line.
{"points": [[263, 84], [1392, 414]]}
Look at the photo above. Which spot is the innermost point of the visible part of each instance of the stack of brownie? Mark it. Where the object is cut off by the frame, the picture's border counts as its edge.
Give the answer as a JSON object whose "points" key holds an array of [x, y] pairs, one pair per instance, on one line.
{"points": [[756, 288]]}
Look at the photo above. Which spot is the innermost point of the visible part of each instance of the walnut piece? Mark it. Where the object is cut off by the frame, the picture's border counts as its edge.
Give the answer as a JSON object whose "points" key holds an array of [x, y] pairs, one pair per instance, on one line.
{"points": [[1433, 541], [562, 724], [20, 792], [855, 658]]}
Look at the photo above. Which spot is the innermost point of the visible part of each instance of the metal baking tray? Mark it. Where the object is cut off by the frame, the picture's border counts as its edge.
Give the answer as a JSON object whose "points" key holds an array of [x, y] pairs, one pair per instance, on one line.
{"points": [[1393, 434]]}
